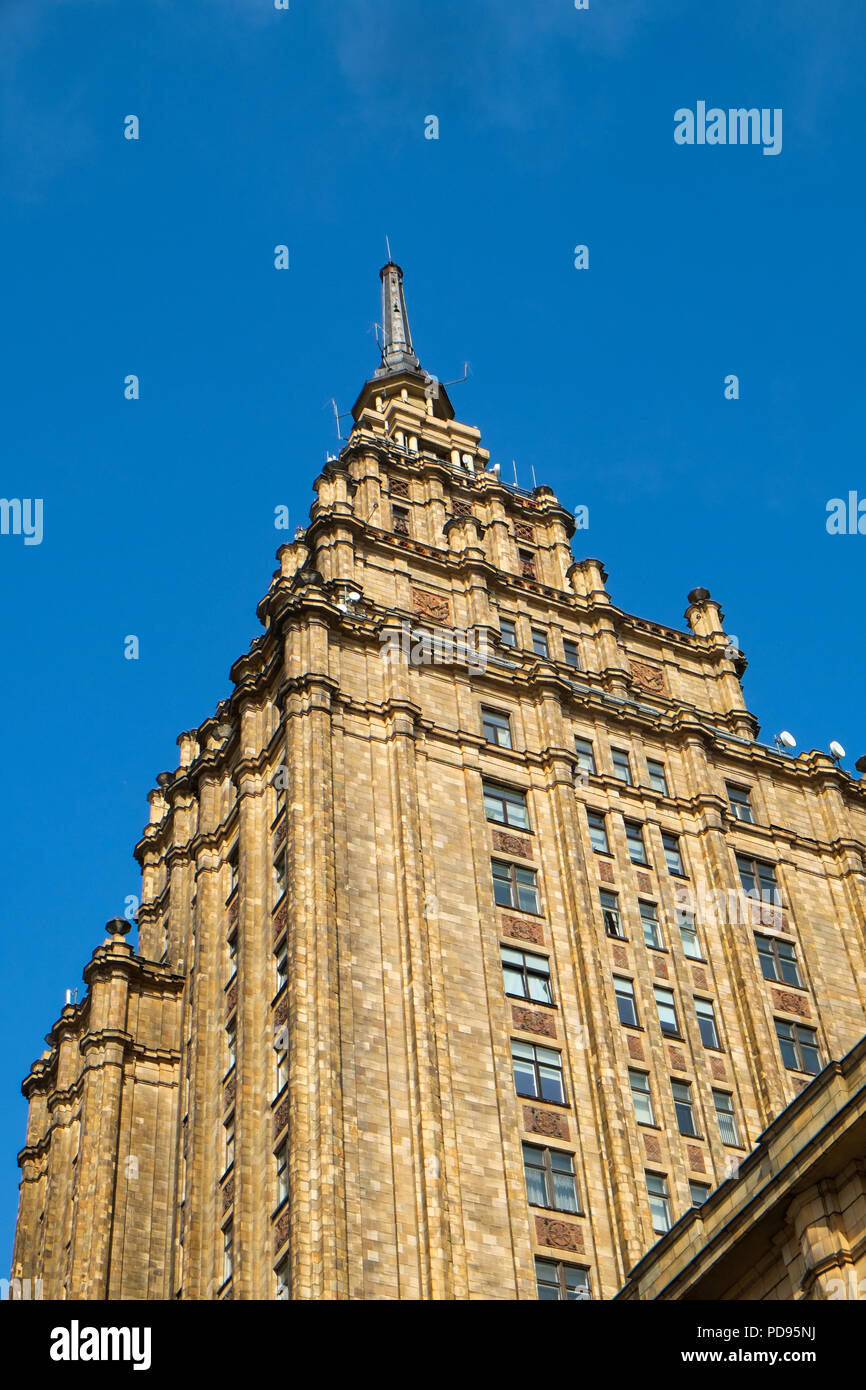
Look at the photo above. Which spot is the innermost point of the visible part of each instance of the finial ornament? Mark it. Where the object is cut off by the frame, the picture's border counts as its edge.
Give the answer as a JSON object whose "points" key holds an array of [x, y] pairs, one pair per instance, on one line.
{"points": [[397, 352]]}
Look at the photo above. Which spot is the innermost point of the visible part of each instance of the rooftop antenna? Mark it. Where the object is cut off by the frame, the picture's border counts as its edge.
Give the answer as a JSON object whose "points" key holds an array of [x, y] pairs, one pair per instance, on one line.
{"points": [[338, 416], [514, 466], [785, 740], [532, 471], [388, 248], [460, 379], [837, 752]]}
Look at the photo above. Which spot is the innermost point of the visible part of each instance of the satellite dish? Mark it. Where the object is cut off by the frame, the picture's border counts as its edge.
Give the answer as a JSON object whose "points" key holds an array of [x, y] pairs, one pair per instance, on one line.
{"points": [[785, 740], [837, 752], [496, 468]]}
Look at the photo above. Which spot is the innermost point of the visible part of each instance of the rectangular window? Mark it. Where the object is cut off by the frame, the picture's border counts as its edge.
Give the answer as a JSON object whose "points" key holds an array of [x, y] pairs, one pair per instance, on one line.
{"points": [[539, 642], [281, 1277], [699, 1192], [624, 990], [658, 780], [232, 1042], [537, 1072], [634, 838], [778, 960], [738, 800], [660, 1206], [229, 1147], [400, 520], [689, 935], [621, 765], [526, 560], [611, 914], [496, 727], [282, 1157], [684, 1108], [526, 975], [724, 1104], [758, 878], [667, 1011], [597, 832], [515, 887], [572, 655], [673, 857], [550, 1180], [585, 755], [228, 1251], [507, 632], [799, 1046], [559, 1283], [282, 1070], [707, 1023], [233, 869], [233, 952], [652, 932], [279, 876], [280, 790], [641, 1097], [505, 806], [282, 965]]}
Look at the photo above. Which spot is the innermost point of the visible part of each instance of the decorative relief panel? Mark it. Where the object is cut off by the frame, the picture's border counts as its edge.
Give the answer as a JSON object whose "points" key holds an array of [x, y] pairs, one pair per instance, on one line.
{"points": [[229, 1091], [512, 844], [460, 508], [647, 677], [561, 1234], [281, 1231], [232, 998], [700, 977], [791, 1003], [660, 967], [280, 920], [281, 1012], [678, 1058], [280, 833], [233, 914], [533, 1021], [545, 1122], [281, 1116], [398, 487], [431, 606], [696, 1158], [605, 871], [644, 883], [717, 1067], [635, 1048], [523, 531], [620, 957], [228, 1193], [523, 931], [653, 1148]]}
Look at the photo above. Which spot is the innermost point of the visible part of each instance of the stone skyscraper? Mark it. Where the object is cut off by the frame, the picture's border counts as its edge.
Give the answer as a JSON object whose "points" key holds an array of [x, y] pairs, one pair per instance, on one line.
{"points": [[480, 938]]}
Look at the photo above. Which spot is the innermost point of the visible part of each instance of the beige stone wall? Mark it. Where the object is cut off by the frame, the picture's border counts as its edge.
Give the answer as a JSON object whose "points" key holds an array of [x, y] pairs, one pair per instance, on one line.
{"points": [[404, 1129]]}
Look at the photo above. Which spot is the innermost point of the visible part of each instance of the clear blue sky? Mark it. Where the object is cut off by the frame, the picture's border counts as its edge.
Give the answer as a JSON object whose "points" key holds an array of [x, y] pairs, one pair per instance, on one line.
{"points": [[306, 127]]}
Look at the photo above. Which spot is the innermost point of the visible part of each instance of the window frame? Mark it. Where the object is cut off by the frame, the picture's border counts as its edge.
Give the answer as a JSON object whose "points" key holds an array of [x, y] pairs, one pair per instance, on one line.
{"points": [[684, 1107], [710, 1018], [548, 1177], [620, 760], [281, 1155], [527, 974], [673, 850], [741, 801], [627, 994], [509, 797], [614, 909], [728, 1113], [569, 645], [515, 884], [666, 1032], [657, 763], [489, 716], [561, 1280], [645, 1093], [632, 840], [540, 639], [511, 625], [598, 829], [535, 1064], [797, 1044], [662, 1197], [584, 751], [778, 961], [658, 942]]}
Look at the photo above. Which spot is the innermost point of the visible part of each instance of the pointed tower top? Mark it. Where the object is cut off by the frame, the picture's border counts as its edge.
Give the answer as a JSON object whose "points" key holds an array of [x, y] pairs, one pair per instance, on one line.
{"points": [[397, 353]]}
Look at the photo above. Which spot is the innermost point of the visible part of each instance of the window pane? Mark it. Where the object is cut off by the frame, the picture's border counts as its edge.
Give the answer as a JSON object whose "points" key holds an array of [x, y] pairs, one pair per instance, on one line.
{"points": [[564, 1192], [551, 1084], [597, 832], [621, 765], [634, 837], [585, 755], [571, 655], [651, 930], [513, 980], [657, 778], [524, 1078], [691, 947], [673, 858], [539, 988], [507, 633]]}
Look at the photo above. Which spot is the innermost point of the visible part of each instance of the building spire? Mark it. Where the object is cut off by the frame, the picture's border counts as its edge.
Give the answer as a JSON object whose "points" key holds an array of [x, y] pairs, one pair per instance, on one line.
{"points": [[397, 353]]}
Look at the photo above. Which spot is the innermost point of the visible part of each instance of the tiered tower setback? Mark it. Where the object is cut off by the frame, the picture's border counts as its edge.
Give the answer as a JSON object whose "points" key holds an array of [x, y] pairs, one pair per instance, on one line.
{"points": [[464, 966]]}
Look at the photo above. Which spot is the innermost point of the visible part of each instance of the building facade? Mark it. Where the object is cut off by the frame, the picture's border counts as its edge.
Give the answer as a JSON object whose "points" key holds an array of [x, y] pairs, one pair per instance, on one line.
{"points": [[480, 938]]}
